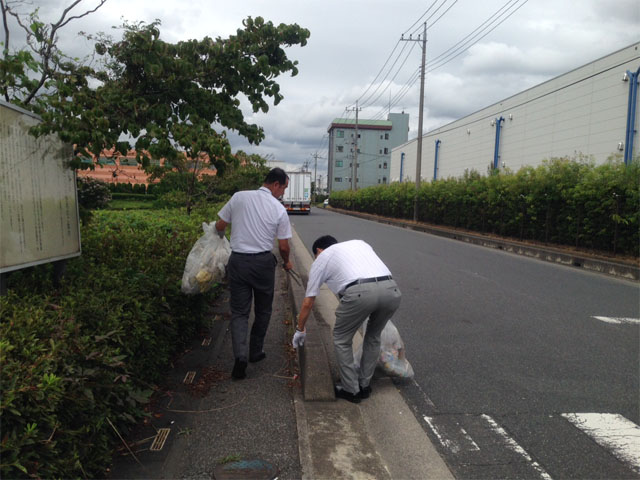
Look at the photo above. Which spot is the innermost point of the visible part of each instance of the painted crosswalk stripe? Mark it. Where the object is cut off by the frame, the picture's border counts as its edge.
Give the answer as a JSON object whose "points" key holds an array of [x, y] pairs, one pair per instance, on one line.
{"points": [[618, 320], [612, 431], [515, 446]]}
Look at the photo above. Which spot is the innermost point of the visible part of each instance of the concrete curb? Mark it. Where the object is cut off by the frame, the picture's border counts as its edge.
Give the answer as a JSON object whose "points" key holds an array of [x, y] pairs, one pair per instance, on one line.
{"points": [[547, 254], [379, 438], [315, 371]]}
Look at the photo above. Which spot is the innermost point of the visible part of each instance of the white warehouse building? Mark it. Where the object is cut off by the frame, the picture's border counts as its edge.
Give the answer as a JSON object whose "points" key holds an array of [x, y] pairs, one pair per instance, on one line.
{"points": [[592, 111]]}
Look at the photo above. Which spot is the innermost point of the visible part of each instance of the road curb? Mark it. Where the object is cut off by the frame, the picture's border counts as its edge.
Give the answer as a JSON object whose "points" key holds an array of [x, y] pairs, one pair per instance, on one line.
{"points": [[315, 370], [547, 254]]}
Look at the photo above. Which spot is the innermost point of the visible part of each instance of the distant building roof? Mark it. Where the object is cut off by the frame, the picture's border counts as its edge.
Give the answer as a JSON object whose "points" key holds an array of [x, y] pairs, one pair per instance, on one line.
{"points": [[362, 123]]}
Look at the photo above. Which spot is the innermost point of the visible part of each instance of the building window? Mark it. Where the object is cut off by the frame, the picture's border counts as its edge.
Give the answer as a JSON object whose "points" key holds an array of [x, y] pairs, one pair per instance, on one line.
{"points": [[338, 163], [339, 148], [386, 136], [384, 179], [106, 161], [340, 133], [358, 135], [380, 151], [381, 137], [337, 179], [379, 165], [384, 165], [378, 180], [386, 150]]}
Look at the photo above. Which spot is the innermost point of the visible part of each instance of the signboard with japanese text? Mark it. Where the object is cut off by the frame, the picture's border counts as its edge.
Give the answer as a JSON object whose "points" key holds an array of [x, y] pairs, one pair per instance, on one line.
{"points": [[39, 220]]}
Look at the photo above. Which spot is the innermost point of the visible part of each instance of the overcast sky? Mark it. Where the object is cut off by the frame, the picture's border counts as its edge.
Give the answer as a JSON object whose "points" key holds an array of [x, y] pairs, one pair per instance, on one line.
{"points": [[351, 40]]}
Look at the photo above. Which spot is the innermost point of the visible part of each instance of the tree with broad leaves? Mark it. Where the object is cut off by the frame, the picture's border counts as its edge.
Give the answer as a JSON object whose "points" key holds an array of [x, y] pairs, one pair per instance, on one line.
{"points": [[172, 101]]}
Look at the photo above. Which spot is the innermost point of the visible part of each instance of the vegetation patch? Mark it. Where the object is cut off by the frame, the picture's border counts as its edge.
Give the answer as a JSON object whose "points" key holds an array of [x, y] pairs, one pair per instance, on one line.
{"points": [[78, 359]]}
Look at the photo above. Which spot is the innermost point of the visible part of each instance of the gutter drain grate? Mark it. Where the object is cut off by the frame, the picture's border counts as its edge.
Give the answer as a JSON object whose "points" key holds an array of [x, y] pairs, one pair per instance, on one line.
{"points": [[188, 378], [161, 438], [206, 342]]}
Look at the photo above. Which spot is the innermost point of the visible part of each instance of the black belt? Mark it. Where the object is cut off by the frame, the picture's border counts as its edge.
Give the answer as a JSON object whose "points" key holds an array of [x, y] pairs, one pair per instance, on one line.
{"points": [[252, 254], [367, 280]]}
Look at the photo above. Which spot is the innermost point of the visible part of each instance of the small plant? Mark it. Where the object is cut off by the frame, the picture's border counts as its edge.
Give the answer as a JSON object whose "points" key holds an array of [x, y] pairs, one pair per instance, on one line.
{"points": [[229, 459]]}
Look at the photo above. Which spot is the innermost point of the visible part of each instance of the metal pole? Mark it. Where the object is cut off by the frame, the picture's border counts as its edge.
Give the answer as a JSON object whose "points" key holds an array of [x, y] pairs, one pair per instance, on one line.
{"points": [[354, 174], [420, 119]]}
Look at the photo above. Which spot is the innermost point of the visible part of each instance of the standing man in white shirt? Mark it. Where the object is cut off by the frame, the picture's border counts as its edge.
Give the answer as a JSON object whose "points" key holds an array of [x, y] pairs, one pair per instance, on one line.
{"points": [[257, 218], [363, 282]]}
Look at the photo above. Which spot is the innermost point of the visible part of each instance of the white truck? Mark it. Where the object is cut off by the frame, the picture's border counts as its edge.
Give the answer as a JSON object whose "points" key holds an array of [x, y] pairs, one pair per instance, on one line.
{"points": [[297, 196]]}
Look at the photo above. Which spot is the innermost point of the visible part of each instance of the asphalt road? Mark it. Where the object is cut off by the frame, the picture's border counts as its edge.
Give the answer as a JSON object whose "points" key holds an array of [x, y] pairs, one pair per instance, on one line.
{"points": [[514, 377]]}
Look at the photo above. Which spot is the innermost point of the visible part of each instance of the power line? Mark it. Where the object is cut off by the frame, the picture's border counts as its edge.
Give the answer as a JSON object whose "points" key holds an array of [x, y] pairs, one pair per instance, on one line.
{"points": [[381, 70], [421, 17], [462, 46], [430, 24], [396, 74], [364, 102]]}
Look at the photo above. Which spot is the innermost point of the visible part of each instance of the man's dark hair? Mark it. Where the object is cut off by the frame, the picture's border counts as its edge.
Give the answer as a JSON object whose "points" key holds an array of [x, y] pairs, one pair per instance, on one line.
{"points": [[276, 175], [323, 242]]}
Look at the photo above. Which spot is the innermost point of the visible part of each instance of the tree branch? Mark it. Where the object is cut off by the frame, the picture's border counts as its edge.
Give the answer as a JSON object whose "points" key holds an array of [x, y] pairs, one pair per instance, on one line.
{"points": [[102, 2]]}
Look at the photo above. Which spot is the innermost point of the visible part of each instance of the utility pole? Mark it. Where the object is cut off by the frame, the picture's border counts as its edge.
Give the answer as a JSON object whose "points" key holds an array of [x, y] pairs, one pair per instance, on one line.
{"points": [[354, 170], [315, 175], [420, 116]]}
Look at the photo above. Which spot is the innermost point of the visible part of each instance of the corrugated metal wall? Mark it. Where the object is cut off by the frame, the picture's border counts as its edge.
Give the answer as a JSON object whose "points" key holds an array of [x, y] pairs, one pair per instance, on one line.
{"points": [[581, 112]]}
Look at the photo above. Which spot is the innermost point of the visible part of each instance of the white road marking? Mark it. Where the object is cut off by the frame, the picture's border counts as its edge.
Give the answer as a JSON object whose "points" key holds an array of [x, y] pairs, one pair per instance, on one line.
{"points": [[618, 319], [613, 432], [452, 445], [513, 445]]}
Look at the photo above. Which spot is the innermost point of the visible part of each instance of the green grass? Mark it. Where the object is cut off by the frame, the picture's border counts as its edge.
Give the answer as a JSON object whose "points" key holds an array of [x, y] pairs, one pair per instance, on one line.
{"points": [[128, 204]]}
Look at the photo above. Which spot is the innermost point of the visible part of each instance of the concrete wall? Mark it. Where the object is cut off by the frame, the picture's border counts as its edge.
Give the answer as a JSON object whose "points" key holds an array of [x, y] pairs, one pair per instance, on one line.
{"points": [[581, 112]]}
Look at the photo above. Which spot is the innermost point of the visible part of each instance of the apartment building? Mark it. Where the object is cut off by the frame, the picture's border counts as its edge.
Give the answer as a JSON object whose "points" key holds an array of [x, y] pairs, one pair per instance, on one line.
{"points": [[374, 142]]}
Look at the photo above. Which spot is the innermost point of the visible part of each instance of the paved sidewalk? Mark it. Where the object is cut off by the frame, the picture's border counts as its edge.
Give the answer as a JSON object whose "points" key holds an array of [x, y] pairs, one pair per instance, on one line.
{"points": [[265, 426]]}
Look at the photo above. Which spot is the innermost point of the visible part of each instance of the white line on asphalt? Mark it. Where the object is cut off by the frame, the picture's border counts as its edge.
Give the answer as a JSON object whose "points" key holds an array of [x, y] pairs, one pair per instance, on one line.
{"points": [[450, 444], [618, 319], [613, 432], [513, 445]]}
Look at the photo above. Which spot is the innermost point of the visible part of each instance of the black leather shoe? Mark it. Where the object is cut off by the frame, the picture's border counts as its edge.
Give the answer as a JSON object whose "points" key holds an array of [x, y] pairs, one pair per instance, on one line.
{"points": [[341, 393], [239, 369], [365, 392], [257, 357]]}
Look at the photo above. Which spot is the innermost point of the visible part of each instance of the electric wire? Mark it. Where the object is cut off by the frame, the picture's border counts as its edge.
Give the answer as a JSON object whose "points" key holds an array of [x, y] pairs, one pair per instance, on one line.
{"points": [[419, 29], [364, 102], [396, 74], [421, 17], [453, 53], [381, 70]]}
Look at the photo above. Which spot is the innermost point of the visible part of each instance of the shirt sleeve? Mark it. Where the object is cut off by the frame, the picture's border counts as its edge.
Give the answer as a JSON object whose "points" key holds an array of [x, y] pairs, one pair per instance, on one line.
{"points": [[225, 212], [284, 227], [316, 277]]}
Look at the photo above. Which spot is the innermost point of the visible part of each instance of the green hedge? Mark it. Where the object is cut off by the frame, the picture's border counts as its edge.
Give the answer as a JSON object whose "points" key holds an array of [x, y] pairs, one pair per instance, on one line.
{"points": [[75, 359], [563, 201]]}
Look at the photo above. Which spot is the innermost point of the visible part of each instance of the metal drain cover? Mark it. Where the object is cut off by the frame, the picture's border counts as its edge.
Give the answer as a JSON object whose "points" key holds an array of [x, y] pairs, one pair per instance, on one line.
{"points": [[246, 469]]}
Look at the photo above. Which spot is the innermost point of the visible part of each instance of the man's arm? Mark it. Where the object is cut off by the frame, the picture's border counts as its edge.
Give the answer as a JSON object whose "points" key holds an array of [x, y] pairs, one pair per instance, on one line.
{"points": [[221, 226], [305, 310], [283, 246]]}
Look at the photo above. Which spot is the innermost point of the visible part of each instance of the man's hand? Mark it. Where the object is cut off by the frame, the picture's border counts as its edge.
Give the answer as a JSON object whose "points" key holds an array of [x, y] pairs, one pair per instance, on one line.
{"points": [[298, 338], [287, 265], [220, 233]]}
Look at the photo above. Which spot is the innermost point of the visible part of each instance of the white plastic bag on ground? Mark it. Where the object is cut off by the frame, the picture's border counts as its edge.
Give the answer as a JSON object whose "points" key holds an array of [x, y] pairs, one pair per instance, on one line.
{"points": [[392, 360], [207, 261]]}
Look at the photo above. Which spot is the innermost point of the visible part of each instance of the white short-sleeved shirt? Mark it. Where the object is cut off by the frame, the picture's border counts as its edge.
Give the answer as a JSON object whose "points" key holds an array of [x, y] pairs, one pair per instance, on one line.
{"points": [[342, 263], [257, 217]]}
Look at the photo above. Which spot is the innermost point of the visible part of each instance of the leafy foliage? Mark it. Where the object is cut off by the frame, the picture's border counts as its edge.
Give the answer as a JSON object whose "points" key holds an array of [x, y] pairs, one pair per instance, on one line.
{"points": [[76, 359], [167, 96], [562, 201]]}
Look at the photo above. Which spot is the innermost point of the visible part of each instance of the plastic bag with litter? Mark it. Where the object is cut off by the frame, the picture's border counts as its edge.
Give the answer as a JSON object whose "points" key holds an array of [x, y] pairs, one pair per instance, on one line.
{"points": [[207, 261], [392, 360]]}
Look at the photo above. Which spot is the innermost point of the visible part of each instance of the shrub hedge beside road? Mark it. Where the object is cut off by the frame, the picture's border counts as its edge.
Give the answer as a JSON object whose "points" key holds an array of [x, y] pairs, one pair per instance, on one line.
{"points": [[563, 201], [76, 359]]}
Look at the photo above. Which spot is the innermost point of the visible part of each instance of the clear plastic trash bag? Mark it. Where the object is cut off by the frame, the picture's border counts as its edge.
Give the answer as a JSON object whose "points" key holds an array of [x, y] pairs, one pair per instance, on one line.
{"points": [[392, 360], [207, 261]]}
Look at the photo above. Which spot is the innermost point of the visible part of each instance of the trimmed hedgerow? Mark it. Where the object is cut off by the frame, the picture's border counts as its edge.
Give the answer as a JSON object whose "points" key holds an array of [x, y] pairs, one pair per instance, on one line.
{"points": [[563, 201], [76, 360]]}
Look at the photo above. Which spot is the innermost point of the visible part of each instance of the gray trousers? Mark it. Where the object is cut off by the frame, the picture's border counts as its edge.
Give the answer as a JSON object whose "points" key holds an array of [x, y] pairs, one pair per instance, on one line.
{"points": [[377, 301], [251, 277]]}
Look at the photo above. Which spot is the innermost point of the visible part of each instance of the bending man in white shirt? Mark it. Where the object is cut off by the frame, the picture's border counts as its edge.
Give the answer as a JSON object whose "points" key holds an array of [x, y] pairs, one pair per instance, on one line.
{"points": [[363, 282]]}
